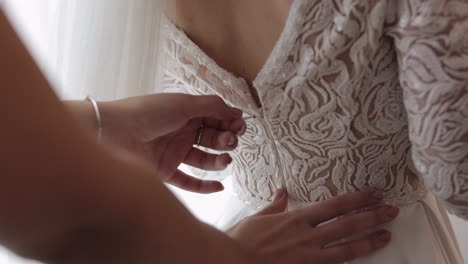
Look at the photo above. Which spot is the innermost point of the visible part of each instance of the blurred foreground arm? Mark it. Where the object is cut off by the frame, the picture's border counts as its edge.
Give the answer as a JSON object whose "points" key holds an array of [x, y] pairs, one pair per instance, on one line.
{"points": [[63, 199]]}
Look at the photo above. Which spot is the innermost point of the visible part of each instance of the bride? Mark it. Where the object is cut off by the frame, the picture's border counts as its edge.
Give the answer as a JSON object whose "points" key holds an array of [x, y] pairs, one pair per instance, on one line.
{"points": [[340, 96], [80, 52], [323, 85]]}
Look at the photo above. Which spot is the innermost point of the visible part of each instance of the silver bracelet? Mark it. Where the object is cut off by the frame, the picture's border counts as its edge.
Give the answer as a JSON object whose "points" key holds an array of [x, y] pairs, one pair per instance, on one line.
{"points": [[98, 117]]}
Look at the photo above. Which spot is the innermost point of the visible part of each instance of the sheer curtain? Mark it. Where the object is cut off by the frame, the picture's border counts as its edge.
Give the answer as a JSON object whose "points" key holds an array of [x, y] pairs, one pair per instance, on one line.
{"points": [[108, 49]]}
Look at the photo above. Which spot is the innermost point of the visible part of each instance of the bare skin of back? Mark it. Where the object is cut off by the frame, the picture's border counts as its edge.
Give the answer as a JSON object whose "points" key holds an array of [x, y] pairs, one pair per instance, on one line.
{"points": [[238, 34]]}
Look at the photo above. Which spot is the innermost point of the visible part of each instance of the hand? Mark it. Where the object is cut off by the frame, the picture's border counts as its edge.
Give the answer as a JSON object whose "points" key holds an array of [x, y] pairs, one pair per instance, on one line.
{"points": [[163, 129], [306, 236]]}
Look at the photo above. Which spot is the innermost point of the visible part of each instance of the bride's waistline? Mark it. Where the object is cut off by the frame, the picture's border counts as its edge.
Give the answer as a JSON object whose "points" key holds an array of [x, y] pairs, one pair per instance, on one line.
{"points": [[390, 198]]}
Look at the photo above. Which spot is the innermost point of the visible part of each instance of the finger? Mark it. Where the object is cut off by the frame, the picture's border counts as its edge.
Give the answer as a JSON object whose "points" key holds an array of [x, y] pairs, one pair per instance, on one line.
{"points": [[278, 205], [207, 161], [192, 184], [355, 223], [218, 140], [211, 106], [216, 123], [236, 126], [357, 248], [341, 205]]}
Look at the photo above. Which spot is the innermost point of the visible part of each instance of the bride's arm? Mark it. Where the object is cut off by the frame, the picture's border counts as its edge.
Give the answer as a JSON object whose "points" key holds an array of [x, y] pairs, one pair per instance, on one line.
{"points": [[71, 201], [432, 46]]}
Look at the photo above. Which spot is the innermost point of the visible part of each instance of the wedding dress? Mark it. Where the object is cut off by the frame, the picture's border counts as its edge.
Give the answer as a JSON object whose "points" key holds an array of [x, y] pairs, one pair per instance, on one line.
{"points": [[355, 94]]}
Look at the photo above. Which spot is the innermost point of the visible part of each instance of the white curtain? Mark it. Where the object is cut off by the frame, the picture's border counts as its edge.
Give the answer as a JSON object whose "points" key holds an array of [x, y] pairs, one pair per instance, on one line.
{"points": [[104, 48]]}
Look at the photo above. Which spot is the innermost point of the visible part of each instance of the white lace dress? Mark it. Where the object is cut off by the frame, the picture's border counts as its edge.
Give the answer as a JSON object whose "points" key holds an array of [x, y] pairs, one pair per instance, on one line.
{"points": [[355, 94]]}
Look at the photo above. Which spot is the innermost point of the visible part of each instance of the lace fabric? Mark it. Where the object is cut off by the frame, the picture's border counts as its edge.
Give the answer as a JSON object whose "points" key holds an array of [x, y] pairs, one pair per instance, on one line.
{"points": [[352, 93]]}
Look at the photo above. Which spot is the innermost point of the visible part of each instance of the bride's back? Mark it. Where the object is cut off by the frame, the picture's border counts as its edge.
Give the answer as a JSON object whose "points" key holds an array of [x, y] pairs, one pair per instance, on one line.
{"points": [[319, 86], [238, 34]]}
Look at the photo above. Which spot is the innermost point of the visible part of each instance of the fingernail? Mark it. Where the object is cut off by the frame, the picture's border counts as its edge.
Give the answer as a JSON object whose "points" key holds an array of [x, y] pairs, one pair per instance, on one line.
{"points": [[377, 194], [392, 212], [384, 236], [220, 187], [280, 194], [229, 160], [243, 129], [232, 140]]}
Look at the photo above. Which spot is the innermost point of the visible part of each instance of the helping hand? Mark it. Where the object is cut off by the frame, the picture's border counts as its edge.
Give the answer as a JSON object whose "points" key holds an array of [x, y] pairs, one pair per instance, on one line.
{"points": [[308, 234], [163, 129]]}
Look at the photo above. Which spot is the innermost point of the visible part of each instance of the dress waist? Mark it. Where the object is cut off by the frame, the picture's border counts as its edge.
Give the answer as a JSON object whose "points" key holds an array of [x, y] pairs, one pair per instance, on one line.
{"points": [[390, 198]]}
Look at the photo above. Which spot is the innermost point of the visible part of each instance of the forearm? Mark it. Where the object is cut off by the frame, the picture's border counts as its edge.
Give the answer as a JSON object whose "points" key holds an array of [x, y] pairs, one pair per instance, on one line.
{"points": [[139, 221]]}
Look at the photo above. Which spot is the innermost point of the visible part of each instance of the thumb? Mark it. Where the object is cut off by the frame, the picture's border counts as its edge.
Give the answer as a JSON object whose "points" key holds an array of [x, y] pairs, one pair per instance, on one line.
{"points": [[279, 204]]}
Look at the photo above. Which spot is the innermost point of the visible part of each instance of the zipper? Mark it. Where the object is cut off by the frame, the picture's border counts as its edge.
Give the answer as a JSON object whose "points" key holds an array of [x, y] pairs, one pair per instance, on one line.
{"points": [[270, 135]]}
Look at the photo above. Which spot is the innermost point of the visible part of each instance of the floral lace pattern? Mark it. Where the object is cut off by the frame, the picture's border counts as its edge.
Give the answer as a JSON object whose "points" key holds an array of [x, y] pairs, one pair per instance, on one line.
{"points": [[352, 93]]}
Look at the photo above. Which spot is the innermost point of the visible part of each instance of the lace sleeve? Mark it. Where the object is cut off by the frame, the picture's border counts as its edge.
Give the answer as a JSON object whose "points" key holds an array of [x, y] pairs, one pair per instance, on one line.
{"points": [[431, 39]]}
